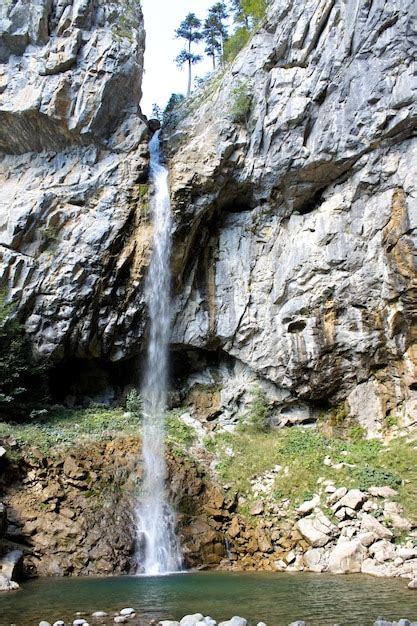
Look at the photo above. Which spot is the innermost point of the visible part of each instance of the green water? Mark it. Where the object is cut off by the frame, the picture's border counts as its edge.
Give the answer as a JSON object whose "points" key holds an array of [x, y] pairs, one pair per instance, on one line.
{"points": [[276, 599]]}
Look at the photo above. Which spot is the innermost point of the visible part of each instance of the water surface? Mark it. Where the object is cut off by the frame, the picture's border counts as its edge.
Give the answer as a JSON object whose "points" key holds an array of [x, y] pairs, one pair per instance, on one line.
{"points": [[277, 599]]}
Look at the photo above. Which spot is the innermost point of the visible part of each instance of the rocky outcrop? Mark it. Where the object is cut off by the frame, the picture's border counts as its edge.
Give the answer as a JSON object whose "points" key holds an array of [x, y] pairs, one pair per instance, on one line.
{"points": [[295, 219], [73, 150], [71, 512]]}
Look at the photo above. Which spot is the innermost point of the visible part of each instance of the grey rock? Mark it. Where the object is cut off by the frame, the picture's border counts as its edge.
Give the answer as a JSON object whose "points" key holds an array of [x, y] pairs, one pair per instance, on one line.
{"points": [[383, 551], [191, 620], [392, 513], [235, 621], [168, 622], [369, 524], [412, 584], [74, 145], [302, 213], [11, 564], [6, 584], [127, 611], [308, 506], [42, 623], [317, 529], [59, 622], [352, 500], [347, 557]]}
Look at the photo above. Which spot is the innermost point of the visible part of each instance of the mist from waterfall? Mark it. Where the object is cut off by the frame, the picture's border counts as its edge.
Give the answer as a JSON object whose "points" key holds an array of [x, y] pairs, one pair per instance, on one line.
{"points": [[158, 550]]}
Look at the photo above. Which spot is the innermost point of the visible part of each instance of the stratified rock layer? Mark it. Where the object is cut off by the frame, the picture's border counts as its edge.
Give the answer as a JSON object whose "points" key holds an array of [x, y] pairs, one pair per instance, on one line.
{"points": [[73, 150], [295, 237]]}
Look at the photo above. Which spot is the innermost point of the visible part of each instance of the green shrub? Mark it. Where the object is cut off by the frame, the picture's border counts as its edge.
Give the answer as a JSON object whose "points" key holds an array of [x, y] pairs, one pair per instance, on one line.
{"points": [[22, 377], [134, 402], [256, 419], [369, 476], [255, 9], [236, 43], [171, 111], [241, 102]]}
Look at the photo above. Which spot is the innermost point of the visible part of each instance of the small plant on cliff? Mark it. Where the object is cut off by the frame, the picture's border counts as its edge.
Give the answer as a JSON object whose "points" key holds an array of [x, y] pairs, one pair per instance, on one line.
{"points": [[241, 102], [256, 419]]}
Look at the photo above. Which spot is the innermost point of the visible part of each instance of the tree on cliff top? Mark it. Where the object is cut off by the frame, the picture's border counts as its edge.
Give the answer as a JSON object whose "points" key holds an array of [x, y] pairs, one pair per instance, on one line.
{"points": [[215, 31], [190, 30]]}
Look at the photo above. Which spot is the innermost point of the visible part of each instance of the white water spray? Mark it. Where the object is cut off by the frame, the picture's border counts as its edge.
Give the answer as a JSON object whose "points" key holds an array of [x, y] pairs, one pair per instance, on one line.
{"points": [[158, 545]]}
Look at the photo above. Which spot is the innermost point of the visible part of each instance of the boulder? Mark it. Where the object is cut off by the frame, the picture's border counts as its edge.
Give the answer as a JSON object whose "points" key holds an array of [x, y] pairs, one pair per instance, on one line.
{"points": [[352, 500], [308, 506], [392, 513], [235, 621], [316, 559], [347, 557], [316, 529], [11, 565], [128, 611], [6, 584], [380, 570], [369, 524], [382, 551], [412, 584], [191, 620], [257, 508]]}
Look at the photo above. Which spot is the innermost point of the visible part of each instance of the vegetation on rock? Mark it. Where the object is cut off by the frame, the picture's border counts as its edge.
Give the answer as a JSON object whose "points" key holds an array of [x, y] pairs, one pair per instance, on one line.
{"points": [[241, 102], [22, 376]]}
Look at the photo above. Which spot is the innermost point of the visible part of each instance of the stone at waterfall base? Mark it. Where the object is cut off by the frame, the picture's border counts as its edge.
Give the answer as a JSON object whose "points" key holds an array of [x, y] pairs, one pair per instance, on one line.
{"points": [[7, 585]]}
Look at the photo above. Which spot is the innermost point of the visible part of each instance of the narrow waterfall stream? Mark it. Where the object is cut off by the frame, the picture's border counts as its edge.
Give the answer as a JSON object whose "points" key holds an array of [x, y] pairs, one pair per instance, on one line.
{"points": [[158, 545]]}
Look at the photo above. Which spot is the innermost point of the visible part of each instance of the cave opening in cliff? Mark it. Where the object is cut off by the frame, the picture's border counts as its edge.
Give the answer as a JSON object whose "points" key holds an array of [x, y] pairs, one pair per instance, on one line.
{"points": [[81, 381]]}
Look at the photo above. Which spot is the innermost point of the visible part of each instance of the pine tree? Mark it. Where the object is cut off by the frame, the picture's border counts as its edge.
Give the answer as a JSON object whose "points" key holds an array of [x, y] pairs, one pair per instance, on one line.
{"points": [[189, 29], [213, 46]]}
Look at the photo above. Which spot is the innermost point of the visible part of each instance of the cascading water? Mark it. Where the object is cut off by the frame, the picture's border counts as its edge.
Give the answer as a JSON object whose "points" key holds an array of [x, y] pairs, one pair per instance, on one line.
{"points": [[158, 545]]}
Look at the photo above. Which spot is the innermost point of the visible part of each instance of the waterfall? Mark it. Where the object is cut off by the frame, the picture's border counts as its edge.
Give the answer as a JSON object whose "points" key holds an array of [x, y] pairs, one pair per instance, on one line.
{"points": [[158, 545]]}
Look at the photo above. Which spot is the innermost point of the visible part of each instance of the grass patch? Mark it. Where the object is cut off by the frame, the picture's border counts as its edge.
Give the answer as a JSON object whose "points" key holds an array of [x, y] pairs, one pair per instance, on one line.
{"points": [[179, 435], [64, 427], [243, 455]]}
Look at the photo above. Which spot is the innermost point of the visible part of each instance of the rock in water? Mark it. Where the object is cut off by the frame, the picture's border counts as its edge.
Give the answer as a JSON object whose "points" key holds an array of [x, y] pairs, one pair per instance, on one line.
{"points": [[191, 620], [128, 611]]}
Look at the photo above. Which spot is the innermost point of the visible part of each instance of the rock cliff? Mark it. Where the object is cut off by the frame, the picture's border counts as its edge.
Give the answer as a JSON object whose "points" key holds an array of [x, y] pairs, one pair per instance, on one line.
{"points": [[293, 187], [293, 175], [73, 149]]}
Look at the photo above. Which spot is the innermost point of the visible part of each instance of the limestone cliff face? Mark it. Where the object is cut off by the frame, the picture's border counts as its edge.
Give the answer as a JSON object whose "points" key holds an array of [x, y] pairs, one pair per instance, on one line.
{"points": [[293, 256], [73, 148], [295, 237]]}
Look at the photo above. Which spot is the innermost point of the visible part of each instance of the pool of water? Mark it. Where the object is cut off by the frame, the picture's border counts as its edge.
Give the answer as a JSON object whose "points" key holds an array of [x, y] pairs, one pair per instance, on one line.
{"points": [[276, 599]]}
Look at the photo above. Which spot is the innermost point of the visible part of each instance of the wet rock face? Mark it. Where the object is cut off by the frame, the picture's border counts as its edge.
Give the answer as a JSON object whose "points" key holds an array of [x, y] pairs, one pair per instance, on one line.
{"points": [[72, 512], [295, 234], [73, 238]]}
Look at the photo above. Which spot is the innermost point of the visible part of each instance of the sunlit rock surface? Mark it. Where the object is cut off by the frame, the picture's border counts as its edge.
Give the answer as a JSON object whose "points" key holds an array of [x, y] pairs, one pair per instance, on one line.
{"points": [[295, 230], [73, 148], [294, 251]]}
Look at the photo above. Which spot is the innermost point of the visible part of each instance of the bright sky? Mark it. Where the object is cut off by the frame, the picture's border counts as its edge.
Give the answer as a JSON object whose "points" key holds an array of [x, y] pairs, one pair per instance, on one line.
{"points": [[162, 77]]}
